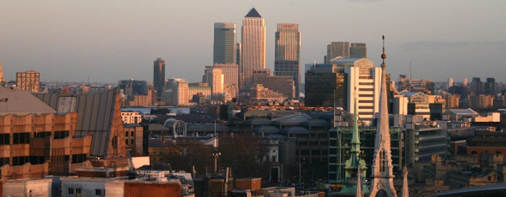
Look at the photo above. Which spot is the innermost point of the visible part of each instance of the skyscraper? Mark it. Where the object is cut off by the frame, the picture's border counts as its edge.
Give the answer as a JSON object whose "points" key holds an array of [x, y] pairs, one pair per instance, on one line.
{"points": [[224, 43], [336, 49], [159, 77], [253, 46], [358, 50], [490, 86], [2, 80], [287, 53], [450, 82]]}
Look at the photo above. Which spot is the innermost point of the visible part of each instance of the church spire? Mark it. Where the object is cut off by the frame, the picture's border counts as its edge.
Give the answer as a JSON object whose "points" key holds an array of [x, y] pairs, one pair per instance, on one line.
{"points": [[382, 168], [355, 139]]}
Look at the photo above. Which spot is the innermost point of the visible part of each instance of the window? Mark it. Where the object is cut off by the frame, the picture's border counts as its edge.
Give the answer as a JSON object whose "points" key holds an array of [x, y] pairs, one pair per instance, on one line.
{"points": [[132, 141], [61, 134], [42, 134], [78, 190], [78, 158], [5, 139], [132, 134], [126, 134], [126, 141], [70, 191], [21, 138], [98, 192]]}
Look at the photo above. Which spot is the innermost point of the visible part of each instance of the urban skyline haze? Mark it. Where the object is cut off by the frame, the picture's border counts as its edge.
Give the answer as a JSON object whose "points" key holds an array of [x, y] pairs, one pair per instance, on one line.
{"points": [[114, 40]]}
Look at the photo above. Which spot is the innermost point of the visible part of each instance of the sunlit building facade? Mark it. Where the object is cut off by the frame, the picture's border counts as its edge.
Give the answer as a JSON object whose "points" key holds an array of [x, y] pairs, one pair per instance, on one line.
{"points": [[287, 54], [253, 46]]}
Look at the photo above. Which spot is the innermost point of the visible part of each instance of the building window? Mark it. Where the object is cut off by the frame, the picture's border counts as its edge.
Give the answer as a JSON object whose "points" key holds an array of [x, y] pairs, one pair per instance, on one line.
{"points": [[98, 192], [126, 134], [78, 190], [132, 141], [5, 139], [132, 134], [61, 134], [21, 138], [70, 191], [126, 141]]}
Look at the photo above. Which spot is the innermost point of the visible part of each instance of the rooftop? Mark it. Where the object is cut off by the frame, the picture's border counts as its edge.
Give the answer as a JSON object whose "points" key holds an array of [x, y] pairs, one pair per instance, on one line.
{"points": [[253, 14], [14, 101]]}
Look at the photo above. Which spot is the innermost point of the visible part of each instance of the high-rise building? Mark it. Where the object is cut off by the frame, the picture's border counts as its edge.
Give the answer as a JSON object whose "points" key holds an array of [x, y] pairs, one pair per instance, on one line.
{"points": [[280, 84], [490, 86], [336, 49], [28, 81], [464, 82], [215, 79], [159, 76], [343, 80], [287, 54], [358, 50], [176, 92], [230, 73], [133, 87], [224, 43], [476, 86], [253, 46], [450, 82]]}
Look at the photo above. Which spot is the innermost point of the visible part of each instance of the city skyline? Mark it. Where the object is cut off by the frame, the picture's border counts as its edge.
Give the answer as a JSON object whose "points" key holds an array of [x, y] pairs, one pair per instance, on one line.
{"points": [[107, 41]]}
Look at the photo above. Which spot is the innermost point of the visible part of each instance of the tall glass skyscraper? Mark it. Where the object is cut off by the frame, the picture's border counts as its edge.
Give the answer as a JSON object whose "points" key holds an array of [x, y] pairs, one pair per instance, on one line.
{"points": [[224, 43], [253, 46], [159, 77], [287, 54]]}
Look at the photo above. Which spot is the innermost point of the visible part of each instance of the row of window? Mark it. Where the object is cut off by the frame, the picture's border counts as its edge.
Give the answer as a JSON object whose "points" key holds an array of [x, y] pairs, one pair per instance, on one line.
{"points": [[132, 142], [24, 138], [72, 191], [131, 133]]}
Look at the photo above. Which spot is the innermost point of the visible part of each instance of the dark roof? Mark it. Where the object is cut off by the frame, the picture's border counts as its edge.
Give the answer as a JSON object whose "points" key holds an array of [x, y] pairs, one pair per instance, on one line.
{"points": [[477, 191], [253, 13], [295, 130], [155, 167], [257, 121], [316, 122], [95, 115], [266, 129], [207, 128], [157, 127]]}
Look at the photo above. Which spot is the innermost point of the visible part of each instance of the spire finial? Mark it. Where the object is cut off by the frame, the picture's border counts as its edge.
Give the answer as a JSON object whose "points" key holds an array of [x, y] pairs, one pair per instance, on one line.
{"points": [[383, 56]]}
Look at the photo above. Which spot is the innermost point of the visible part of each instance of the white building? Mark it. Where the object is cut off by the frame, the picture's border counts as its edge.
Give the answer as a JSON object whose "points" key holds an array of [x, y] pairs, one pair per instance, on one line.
{"points": [[216, 80], [253, 46], [363, 82], [131, 117]]}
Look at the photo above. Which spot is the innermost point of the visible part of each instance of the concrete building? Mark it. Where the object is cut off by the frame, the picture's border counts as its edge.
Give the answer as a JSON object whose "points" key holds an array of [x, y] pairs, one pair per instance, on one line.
{"points": [[230, 73], [358, 50], [159, 77], [142, 100], [205, 91], [343, 80], [490, 86], [224, 51], [418, 104], [26, 187], [176, 92], [133, 87], [280, 84], [28, 81], [287, 53], [452, 100], [481, 101], [337, 49], [422, 139], [259, 92], [216, 80], [450, 83], [253, 46]]}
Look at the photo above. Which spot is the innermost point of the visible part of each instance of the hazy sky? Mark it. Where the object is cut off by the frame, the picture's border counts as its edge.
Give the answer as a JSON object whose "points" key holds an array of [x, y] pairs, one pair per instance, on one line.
{"points": [[119, 39]]}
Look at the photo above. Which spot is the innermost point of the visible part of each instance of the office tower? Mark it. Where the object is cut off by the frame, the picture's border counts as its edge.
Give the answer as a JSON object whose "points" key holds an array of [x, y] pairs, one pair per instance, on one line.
{"points": [[287, 53], [450, 82], [224, 43], [238, 53], [133, 87], [358, 50], [476, 86], [382, 168], [464, 82], [215, 79], [28, 81], [159, 77], [344, 80], [279, 84], [336, 49], [176, 92], [230, 73], [490, 86], [253, 46]]}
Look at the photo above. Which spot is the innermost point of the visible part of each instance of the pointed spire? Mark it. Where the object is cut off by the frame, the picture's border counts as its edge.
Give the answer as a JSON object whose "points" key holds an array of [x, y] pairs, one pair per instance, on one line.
{"points": [[253, 13], [405, 189], [360, 192]]}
